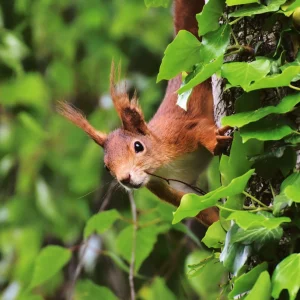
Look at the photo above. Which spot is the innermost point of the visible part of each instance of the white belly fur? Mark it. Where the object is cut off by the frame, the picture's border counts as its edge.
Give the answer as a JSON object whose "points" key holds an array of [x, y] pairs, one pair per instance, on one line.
{"points": [[186, 168]]}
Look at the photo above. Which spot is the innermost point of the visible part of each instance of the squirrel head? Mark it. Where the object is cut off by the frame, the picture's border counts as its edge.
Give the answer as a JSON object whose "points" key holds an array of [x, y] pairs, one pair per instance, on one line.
{"points": [[128, 151]]}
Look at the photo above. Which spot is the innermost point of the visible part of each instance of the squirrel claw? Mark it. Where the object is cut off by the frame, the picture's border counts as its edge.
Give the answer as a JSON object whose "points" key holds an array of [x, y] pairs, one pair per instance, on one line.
{"points": [[222, 130]]}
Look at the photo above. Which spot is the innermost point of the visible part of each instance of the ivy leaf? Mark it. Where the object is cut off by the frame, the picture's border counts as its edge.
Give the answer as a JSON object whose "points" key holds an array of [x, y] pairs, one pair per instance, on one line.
{"points": [[50, 261], [268, 129], [261, 288], [101, 222], [257, 236], [234, 255], [277, 80], [180, 55], [296, 62], [289, 192], [87, 290], [212, 50], [145, 241], [214, 236], [240, 2], [287, 276], [246, 281], [244, 118], [256, 9], [243, 73], [192, 204], [247, 220], [208, 19]]}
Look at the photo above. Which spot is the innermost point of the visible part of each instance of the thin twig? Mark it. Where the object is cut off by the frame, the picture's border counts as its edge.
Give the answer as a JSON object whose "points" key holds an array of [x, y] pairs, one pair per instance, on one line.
{"points": [[255, 199], [85, 244], [134, 234], [195, 188]]}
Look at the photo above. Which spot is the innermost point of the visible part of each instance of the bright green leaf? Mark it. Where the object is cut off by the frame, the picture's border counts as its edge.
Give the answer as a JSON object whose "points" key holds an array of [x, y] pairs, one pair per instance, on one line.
{"points": [[268, 129], [192, 204], [246, 281], [243, 73], [261, 288], [50, 261], [157, 290], [87, 290], [100, 222], [240, 2], [255, 9], [208, 19], [287, 276], [247, 220], [214, 236], [244, 118], [212, 49], [293, 193], [180, 55]]}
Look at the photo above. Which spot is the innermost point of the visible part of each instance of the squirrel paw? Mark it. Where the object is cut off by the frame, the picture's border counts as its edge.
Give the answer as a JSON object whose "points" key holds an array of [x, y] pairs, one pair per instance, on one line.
{"points": [[222, 140]]}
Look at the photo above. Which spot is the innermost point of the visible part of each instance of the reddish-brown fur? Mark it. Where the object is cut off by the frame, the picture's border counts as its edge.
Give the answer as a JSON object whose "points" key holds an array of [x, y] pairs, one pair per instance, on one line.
{"points": [[172, 138]]}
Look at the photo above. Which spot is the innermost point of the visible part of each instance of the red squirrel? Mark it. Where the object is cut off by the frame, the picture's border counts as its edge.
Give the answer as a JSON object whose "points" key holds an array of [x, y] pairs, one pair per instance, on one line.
{"points": [[175, 144]]}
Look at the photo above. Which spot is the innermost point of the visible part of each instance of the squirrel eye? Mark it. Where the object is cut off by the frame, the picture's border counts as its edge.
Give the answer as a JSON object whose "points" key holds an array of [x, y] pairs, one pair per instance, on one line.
{"points": [[138, 147], [106, 168]]}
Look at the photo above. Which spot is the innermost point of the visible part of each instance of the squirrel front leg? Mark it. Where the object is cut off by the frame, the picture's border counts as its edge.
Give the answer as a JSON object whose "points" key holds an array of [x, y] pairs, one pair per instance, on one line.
{"points": [[165, 192]]}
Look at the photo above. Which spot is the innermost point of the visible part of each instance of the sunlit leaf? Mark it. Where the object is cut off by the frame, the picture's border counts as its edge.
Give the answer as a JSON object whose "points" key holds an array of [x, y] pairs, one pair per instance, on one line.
{"points": [[261, 288], [248, 220], [50, 260], [180, 55], [192, 204], [214, 236], [244, 118], [246, 281], [157, 3], [157, 290], [87, 290], [240, 2], [208, 19], [255, 9], [101, 222], [287, 276]]}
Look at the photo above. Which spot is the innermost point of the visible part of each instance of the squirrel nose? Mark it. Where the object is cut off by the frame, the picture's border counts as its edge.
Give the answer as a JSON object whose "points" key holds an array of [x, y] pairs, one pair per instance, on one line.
{"points": [[126, 180]]}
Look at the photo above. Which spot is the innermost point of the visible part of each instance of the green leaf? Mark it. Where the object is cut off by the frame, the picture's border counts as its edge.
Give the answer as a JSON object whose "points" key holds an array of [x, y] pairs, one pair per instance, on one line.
{"points": [[259, 236], [192, 204], [87, 290], [245, 282], [247, 220], [183, 99], [157, 290], [234, 255], [180, 55], [186, 230], [101, 222], [292, 6], [276, 80], [293, 193], [268, 129], [287, 276], [240, 2], [157, 3], [212, 50], [208, 19], [50, 261], [262, 288], [296, 62], [243, 73], [244, 118], [145, 241], [255, 9], [214, 236]]}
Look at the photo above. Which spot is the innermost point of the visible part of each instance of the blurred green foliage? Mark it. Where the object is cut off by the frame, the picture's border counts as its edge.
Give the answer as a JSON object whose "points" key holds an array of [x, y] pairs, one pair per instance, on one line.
{"points": [[51, 175]]}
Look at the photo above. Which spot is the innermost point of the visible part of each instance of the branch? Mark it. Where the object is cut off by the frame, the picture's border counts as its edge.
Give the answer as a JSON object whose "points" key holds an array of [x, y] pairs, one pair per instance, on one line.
{"points": [[134, 234]]}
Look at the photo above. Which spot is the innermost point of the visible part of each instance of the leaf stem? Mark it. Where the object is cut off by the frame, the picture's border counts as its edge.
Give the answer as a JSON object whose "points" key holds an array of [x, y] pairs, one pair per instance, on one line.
{"points": [[225, 208], [235, 21], [235, 39], [255, 199], [294, 87]]}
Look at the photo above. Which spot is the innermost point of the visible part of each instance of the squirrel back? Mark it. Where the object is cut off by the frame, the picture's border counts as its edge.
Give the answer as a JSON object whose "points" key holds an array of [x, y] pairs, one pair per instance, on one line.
{"points": [[176, 144]]}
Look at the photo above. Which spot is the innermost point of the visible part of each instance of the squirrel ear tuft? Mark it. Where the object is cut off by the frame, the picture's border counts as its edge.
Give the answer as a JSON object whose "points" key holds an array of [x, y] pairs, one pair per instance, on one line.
{"points": [[77, 118], [128, 110]]}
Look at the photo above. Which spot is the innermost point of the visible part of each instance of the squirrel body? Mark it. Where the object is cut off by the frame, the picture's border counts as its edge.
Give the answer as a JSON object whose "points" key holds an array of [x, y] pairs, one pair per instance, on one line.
{"points": [[175, 144]]}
